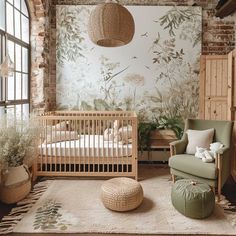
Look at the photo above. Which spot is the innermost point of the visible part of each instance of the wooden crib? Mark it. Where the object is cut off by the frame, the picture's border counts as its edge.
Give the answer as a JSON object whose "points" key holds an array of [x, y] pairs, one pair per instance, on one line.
{"points": [[91, 143]]}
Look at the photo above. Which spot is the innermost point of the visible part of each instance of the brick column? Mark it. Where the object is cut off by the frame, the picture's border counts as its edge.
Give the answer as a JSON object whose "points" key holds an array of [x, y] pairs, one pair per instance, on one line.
{"points": [[39, 54]]}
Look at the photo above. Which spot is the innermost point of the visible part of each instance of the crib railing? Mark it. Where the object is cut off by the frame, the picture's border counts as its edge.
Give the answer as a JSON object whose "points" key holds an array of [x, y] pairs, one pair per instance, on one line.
{"points": [[79, 143]]}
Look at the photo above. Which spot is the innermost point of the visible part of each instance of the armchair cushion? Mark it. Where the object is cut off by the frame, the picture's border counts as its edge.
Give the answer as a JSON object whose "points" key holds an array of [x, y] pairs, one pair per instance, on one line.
{"points": [[194, 166]]}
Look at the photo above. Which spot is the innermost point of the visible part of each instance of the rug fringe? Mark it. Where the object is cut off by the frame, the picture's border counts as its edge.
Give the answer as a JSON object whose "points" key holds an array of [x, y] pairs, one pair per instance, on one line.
{"points": [[8, 222]]}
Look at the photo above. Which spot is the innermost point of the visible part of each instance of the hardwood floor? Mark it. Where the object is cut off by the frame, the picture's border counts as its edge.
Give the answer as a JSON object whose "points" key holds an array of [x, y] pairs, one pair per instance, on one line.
{"points": [[229, 191], [5, 209]]}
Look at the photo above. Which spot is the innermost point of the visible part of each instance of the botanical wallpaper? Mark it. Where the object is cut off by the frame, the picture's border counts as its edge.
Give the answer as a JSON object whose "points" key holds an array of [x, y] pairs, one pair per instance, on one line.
{"points": [[156, 74]]}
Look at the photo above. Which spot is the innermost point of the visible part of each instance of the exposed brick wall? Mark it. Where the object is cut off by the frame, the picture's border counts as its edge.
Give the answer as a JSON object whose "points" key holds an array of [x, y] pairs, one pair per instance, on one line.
{"points": [[218, 34], [39, 41], [218, 38]]}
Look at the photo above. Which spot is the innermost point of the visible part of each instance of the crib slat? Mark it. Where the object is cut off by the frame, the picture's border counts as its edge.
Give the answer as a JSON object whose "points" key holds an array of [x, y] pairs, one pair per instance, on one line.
{"points": [[108, 148], [85, 150], [122, 140], [127, 145], [80, 134], [60, 167], [99, 151], [103, 149], [112, 153], [93, 135], [75, 149], [89, 145]]}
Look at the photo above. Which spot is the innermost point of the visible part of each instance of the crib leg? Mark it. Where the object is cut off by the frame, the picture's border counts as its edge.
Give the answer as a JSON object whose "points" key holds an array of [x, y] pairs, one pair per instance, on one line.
{"points": [[173, 178], [136, 170], [34, 170]]}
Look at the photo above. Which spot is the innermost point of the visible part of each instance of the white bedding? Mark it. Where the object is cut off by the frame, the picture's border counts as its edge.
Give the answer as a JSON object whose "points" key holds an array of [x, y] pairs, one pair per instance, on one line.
{"points": [[85, 146]]}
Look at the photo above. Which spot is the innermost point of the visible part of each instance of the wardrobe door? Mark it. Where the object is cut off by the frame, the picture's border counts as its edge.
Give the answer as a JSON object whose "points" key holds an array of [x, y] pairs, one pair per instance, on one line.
{"points": [[214, 88], [218, 92]]}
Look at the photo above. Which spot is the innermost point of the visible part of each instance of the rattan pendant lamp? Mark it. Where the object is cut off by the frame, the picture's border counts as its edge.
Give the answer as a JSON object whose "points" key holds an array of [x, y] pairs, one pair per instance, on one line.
{"points": [[111, 25]]}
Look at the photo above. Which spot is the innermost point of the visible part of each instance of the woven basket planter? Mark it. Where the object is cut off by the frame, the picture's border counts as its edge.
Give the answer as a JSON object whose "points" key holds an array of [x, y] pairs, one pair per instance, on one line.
{"points": [[18, 187], [121, 194], [162, 137]]}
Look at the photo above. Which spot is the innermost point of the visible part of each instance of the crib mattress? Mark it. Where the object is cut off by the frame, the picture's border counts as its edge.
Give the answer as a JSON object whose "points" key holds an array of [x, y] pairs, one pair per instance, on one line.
{"points": [[86, 146]]}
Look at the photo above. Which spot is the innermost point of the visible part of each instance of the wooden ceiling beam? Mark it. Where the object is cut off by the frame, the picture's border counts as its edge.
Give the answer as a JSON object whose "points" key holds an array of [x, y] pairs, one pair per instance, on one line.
{"points": [[226, 9]]}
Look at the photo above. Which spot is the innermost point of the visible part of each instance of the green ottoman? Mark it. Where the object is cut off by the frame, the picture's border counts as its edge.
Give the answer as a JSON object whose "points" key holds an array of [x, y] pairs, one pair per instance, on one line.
{"points": [[193, 199]]}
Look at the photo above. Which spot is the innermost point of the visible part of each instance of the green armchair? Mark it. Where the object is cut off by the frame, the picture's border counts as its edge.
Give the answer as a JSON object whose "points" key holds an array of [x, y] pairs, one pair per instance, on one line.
{"points": [[188, 166]]}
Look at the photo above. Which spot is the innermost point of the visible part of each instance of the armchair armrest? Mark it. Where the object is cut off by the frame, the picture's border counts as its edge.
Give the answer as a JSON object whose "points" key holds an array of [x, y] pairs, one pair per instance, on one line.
{"points": [[178, 147], [222, 156], [223, 150]]}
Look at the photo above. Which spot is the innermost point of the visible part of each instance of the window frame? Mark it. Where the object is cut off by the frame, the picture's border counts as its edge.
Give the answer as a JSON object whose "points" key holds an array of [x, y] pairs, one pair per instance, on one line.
{"points": [[4, 36]]}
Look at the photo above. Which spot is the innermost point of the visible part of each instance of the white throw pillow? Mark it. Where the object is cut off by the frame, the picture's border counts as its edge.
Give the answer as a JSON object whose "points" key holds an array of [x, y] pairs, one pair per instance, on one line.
{"points": [[58, 136], [126, 132], [199, 138], [111, 135], [61, 126]]}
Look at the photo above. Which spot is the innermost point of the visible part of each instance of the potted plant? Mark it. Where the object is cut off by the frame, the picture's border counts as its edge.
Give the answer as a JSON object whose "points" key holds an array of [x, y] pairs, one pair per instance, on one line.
{"points": [[167, 130], [144, 130], [17, 146], [175, 124]]}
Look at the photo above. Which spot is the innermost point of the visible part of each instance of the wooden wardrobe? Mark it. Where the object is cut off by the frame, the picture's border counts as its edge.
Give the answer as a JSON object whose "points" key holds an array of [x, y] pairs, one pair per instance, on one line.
{"points": [[218, 92]]}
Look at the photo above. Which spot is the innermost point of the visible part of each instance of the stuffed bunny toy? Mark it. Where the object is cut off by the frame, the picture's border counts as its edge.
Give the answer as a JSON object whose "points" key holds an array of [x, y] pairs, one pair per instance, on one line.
{"points": [[208, 155]]}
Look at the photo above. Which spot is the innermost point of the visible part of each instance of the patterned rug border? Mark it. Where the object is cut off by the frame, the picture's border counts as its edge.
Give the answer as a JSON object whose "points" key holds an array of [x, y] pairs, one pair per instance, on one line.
{"points": [[22, 207]]}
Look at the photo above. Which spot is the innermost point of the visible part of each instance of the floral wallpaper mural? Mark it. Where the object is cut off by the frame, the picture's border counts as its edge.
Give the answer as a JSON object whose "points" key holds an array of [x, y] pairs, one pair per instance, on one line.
{"points": [[155, 75]]}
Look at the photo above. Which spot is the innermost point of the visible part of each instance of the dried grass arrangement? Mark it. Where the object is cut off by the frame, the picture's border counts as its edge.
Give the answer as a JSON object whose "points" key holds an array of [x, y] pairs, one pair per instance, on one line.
{"points": [[18, 140]]}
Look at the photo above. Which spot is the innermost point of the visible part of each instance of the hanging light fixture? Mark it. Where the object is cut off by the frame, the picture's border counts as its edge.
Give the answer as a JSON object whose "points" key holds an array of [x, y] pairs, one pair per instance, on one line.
{"points": [[111, 25], [7, 67]]}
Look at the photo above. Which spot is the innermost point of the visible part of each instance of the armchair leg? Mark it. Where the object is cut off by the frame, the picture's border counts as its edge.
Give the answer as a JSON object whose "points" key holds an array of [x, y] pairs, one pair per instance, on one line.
{"points": [[218, 193], [219, 183], [213, 189], [173, 178]]}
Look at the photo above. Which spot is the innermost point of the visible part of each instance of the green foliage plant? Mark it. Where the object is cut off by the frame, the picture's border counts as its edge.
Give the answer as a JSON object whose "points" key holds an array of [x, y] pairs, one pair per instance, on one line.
{"points": [[174, 123], [144, 130], [18, 141]]}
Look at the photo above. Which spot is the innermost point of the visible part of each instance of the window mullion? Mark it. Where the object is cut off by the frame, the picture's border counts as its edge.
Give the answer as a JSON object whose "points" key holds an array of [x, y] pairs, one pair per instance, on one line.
{"points": [[14, 71], [21, 86], [4, 79], [16, 40], [14, 30]]}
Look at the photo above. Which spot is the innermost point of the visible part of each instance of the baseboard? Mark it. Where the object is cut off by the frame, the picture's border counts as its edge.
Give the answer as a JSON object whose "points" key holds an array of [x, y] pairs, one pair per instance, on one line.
{"points": [[153, 162]]}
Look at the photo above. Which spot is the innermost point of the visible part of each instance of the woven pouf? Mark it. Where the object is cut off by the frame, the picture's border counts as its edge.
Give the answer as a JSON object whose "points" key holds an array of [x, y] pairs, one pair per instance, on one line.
{"points": [[193, 199], [121, 194]]}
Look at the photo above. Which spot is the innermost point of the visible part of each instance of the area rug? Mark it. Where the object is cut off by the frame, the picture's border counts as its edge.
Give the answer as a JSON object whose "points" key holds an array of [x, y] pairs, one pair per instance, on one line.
{"points": [[74, 206]]}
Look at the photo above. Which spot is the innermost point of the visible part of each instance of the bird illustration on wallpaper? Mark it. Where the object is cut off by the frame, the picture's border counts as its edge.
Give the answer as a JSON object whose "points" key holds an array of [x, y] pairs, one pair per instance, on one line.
{"points": [[155, 75]]}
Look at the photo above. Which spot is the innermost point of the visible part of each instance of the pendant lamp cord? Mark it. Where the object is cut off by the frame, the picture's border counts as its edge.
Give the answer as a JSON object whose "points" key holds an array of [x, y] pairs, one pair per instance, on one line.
{"points": [[6, 49]]}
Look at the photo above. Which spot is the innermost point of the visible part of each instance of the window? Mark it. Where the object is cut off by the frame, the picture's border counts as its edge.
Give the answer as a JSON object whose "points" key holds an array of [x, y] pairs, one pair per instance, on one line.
{"points": [[14, 40]]}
